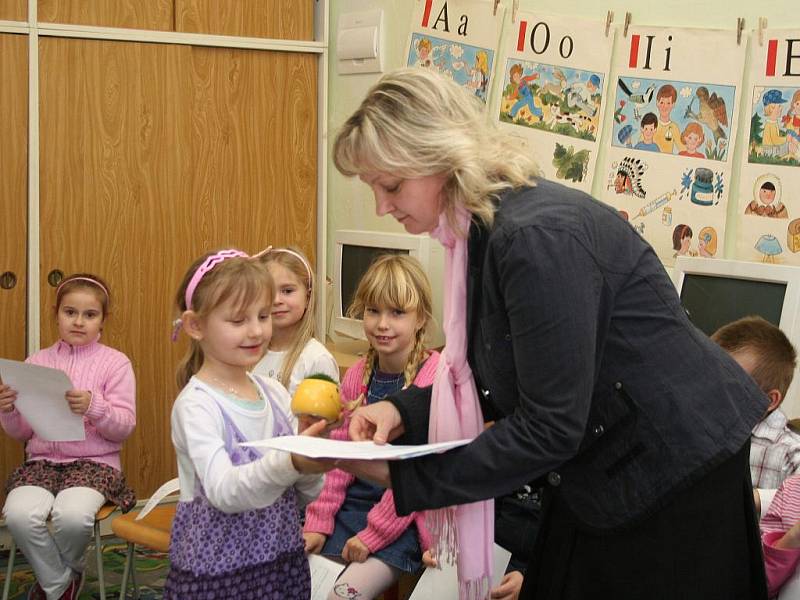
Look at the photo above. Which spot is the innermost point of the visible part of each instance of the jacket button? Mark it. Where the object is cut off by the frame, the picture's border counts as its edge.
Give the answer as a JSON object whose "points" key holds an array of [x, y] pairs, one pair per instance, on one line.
{"points": [[618, 385], [485, 393], [554, 479], [599, 430], [508, 337]]}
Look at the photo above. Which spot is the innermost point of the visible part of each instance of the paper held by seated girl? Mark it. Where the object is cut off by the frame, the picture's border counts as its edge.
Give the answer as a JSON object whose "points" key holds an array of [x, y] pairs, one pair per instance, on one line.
{"points": [[325, 448], [40, 399]]}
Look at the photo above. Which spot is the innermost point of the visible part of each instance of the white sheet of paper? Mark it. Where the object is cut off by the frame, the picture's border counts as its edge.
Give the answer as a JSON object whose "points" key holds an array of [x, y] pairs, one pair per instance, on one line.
{"points": [[40, 399], [172, 486], [323, 448], [791, 589], [324, 572], [443, 583]]}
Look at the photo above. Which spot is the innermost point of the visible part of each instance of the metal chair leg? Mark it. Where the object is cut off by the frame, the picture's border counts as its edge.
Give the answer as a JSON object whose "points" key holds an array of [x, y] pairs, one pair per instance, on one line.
{"points": [[98, 549], [12, 551], [128, 563], [133, 579]]}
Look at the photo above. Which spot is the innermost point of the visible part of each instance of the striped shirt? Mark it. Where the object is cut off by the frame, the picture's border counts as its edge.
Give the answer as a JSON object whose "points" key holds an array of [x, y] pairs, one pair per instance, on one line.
{"points": [[774, 451]]}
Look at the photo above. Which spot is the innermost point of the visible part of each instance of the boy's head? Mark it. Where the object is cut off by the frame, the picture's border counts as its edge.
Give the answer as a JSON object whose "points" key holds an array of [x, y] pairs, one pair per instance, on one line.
{"points": [[763, 351], [649, 122], [665, 100]]}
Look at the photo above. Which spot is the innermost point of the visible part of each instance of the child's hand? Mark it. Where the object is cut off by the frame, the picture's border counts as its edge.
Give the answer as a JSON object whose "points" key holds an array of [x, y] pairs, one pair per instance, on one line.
{"points": [[79, 401], [355, 550], [7, 398], [427, 559], [509, 587], [314, 542], [310, 466], [305, 422], [790, 539]]}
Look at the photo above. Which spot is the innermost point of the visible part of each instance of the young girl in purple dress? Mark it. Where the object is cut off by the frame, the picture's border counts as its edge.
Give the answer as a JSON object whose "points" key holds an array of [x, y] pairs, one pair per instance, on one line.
{"points": [[236, 533]]}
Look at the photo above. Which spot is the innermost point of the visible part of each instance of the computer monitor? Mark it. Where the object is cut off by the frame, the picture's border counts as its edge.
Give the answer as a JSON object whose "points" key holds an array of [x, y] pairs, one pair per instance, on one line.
{"points": [[715, 292], [354, 252]]}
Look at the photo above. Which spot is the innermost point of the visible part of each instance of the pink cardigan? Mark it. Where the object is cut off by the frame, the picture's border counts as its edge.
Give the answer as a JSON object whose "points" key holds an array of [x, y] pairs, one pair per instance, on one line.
{"points": [[384, 526], [111, 416], [782, 514]]}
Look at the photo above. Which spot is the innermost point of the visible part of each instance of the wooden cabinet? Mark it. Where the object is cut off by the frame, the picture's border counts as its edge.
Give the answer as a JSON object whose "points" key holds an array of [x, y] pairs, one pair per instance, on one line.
{"points": [[133, 14], [14, 208], [13, 10], [161, 153], [149, 153], [284, 20]]}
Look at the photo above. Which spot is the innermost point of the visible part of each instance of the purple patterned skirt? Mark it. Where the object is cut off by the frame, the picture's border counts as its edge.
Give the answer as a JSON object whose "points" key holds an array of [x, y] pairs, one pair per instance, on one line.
{"points": [[286, 578]]}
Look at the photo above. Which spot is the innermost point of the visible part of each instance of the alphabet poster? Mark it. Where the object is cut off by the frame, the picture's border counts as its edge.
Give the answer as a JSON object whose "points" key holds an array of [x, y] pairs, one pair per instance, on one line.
{"points": [[668, 168], [458, 38], [769, 185], [554, 79]]}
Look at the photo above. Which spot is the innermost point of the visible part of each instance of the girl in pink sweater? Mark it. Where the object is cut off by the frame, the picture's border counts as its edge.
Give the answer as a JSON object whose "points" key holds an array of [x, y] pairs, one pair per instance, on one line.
{"points": [[354, 520], [780, 536], [70, 481]]}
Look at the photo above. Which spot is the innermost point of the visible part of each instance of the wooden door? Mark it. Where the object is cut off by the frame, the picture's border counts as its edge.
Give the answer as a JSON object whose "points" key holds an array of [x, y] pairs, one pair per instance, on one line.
{"points": [[14, 208], [160, 153]]}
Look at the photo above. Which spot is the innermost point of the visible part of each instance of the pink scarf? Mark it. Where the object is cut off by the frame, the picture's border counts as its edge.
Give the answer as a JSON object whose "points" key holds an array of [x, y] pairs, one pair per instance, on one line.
{"points": [[465, 532]]}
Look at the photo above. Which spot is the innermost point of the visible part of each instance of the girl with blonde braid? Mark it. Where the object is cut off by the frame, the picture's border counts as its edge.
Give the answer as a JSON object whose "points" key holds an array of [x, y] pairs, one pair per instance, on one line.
{"points": [[354, 520]]}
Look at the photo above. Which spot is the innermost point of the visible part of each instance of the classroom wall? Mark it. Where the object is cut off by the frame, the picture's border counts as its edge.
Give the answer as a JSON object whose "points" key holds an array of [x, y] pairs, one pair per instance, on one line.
{"points": [[350, 204]]}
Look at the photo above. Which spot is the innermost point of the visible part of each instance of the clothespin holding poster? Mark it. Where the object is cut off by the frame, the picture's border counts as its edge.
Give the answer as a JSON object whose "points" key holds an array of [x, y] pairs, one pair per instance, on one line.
{"points": [[762, 25], [514, 9], [496, 4], [627, 23], [609, 20], [739, 29]]}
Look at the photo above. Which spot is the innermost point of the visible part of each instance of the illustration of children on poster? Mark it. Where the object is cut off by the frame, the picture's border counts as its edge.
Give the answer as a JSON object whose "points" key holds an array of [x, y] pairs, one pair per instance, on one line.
{"points": [[668, 165], [457, 38], [554, 76], [768, 210]]}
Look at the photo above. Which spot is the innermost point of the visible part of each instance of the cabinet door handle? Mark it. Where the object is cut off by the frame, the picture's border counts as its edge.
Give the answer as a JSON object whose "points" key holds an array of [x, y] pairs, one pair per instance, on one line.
{"points": [[8, 280], [54, 277]]}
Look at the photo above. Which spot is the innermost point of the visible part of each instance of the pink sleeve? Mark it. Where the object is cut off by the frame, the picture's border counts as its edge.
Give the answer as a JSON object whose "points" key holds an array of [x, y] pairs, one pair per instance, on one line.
{"points": [[384, 526], [320, 513], [113, 411], [780, 563], [15, 425]]}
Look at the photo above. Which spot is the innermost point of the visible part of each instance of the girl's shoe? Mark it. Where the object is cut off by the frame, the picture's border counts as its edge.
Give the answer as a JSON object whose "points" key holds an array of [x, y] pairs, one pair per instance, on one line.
{"points": [[74, 590]]}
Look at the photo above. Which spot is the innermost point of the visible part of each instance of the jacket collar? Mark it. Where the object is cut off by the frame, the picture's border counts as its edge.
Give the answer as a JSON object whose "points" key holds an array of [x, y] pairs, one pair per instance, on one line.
{"points": [[64, 349]]}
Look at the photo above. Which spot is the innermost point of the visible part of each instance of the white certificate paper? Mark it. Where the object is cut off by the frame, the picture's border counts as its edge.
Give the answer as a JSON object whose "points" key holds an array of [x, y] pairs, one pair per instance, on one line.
{"points": [[324, 448], [324, 572], [40, 399], [443, 582]]}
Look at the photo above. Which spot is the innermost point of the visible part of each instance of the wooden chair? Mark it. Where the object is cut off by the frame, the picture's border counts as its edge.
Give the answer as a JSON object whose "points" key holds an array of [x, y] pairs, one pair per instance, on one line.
{"points": [[151, 532], [102, 514]]}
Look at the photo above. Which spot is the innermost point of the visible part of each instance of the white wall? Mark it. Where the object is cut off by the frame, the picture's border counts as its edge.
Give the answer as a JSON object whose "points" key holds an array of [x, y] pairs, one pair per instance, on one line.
{"points": [[350, 204]]}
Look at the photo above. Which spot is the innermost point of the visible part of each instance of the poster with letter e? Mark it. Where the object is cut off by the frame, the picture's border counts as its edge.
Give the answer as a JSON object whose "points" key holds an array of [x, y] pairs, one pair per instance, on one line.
{"points": [[554, 78], [668, 167], [768, 209], [457, 38]]}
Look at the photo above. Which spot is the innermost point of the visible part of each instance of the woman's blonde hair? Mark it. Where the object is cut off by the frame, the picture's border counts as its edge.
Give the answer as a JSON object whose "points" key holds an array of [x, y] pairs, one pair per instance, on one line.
{"points": [[415, 122], [241, 280], [396, 281], [294, 261]]}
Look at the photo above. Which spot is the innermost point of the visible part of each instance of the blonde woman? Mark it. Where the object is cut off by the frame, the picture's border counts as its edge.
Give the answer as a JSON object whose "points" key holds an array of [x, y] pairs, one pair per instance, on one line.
{"points": [[581, 352]]}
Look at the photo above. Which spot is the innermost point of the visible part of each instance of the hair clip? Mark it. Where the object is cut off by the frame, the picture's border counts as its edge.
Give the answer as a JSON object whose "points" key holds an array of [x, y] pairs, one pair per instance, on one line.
{"points": [[297, 255], [211, 262], [176, 328], [89, 279]]}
